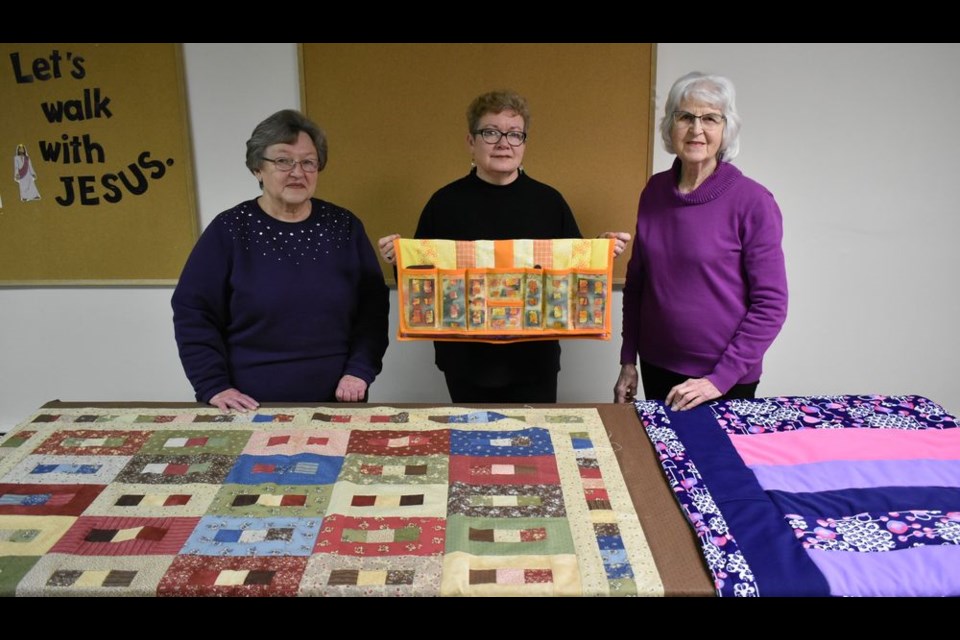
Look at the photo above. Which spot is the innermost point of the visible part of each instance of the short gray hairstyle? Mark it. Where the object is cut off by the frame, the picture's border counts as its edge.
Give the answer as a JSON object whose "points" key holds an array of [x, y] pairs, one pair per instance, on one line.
{"points": [[714, 90], [284, 127]]}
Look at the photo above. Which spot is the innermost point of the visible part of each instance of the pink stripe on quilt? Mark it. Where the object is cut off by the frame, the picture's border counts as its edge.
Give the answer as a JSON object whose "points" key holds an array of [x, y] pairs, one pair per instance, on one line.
{"points": [[920, 571], [860, 474], [822, 445]]}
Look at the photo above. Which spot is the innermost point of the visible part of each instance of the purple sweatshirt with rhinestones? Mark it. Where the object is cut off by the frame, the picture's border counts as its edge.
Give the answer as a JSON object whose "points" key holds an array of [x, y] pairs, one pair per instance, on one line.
{"points": [[706, 288], [280, 310]]}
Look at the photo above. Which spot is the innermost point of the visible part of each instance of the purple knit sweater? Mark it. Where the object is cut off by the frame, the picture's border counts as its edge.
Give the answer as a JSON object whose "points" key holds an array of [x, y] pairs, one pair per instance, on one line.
{"points": [[706, 289], [279, 310]]}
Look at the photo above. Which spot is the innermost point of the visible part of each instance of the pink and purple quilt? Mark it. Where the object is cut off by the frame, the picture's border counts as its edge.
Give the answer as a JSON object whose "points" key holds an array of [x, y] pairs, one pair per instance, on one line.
{"points": [[818, 496]]}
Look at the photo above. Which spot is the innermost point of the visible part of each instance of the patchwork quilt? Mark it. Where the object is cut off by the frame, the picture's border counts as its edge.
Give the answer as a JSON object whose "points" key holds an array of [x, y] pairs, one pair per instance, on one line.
{"points": [[818, 496], [304, 502], [504, 290]]}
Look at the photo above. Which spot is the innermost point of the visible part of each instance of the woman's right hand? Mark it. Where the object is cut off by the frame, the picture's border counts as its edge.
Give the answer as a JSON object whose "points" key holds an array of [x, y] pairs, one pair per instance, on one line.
{"points": [[626, 388], [385, 244], [231, 399]]}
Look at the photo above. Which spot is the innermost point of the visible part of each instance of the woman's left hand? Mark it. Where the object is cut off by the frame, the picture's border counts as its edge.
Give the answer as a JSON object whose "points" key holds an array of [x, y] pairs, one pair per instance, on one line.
{"points": [[351, 389], [620, 240], [691, 393]]}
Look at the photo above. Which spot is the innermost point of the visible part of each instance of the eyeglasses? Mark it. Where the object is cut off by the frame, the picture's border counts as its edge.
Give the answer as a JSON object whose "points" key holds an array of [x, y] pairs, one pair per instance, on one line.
{"points": [[709, 121], [492, 136], [287, 164]]}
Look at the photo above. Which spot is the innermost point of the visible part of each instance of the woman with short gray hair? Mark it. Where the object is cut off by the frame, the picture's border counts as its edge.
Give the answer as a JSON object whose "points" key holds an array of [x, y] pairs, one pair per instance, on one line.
{"points": [[282, 298]]}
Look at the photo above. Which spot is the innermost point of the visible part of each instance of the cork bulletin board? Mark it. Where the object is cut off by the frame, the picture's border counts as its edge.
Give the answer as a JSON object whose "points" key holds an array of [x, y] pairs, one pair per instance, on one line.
{"points": [[395, 117], [97, 138]]}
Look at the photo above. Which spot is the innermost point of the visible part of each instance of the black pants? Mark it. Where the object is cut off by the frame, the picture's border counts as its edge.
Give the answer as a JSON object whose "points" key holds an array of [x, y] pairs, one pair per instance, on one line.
{"points": [[657, 383], [464, 391]]}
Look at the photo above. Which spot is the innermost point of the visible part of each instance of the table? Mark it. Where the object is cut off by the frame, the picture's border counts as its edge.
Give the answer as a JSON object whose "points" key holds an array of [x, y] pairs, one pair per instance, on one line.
{"points": [[671, 542]]}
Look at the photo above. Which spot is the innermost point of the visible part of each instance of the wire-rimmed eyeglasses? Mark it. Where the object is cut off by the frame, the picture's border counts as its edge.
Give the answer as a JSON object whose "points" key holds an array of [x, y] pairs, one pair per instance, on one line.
{"points": [[709, 121], [287, 164]]}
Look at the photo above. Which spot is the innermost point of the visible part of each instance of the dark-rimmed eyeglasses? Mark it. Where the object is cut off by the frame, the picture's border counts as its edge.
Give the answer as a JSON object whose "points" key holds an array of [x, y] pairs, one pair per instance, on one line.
{"points": [[287, 164], [492, 136], [709, 121]]}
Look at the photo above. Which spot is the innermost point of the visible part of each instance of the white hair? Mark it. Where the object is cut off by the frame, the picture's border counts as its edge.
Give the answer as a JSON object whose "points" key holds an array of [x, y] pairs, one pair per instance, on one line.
{"points": [[714, 90]]}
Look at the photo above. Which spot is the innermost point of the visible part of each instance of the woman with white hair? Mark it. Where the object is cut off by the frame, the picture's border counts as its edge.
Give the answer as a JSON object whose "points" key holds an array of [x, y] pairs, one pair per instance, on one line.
{"points": [[706, 287]]}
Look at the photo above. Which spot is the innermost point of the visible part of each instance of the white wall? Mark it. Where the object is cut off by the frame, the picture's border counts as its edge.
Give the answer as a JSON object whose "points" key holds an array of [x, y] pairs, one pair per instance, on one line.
{"points": [[855, 141]]}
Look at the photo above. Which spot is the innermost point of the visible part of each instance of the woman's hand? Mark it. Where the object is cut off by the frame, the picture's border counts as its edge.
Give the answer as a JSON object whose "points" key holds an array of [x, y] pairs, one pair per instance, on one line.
{"points": [[626, 388], [692, 393], [232, 400], [620, 240], [385, 244], [351, 388]]}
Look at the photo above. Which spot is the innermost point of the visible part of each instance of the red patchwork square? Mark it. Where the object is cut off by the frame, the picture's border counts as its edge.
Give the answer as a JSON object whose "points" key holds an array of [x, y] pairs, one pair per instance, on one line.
{"points": [[596, 494], [277, 440], [586, 472], [176, 469], [264, 467], [152, 533], [203, 577], [363, 501], [197, 442], [322, 442], [339, 418], [176, 500], [293, 501]]}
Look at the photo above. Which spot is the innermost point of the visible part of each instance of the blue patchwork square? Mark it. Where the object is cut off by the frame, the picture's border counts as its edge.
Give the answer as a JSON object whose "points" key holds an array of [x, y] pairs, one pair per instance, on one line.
{"points": [[227, 535]]}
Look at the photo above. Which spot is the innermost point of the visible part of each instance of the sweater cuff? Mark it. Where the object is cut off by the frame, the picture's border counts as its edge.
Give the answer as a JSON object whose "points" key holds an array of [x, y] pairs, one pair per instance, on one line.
{"points": [[359, 371]]}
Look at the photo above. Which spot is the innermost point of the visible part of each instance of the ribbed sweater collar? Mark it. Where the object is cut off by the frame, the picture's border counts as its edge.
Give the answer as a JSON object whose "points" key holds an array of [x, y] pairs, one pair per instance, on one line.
{"points": [[712, 188]]}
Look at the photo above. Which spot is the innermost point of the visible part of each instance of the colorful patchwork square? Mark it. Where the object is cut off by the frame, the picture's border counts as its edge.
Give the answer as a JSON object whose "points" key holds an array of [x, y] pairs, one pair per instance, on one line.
{"points": [[345, 535], [46, 499], [506, 501], [305, 469], [106, 536], [282, 442], [273, 417], [465, 574], [47, 469], [153, 500], [363, 469], [31, 535], [389, 500], [186, 442], [69, 575], [524, 442], [90, 442], [194, 575], [509, 537], [475, 417], [229, 536], [504, 470], [182, 469], [330, 574], [267, 500], [399, 443]]}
